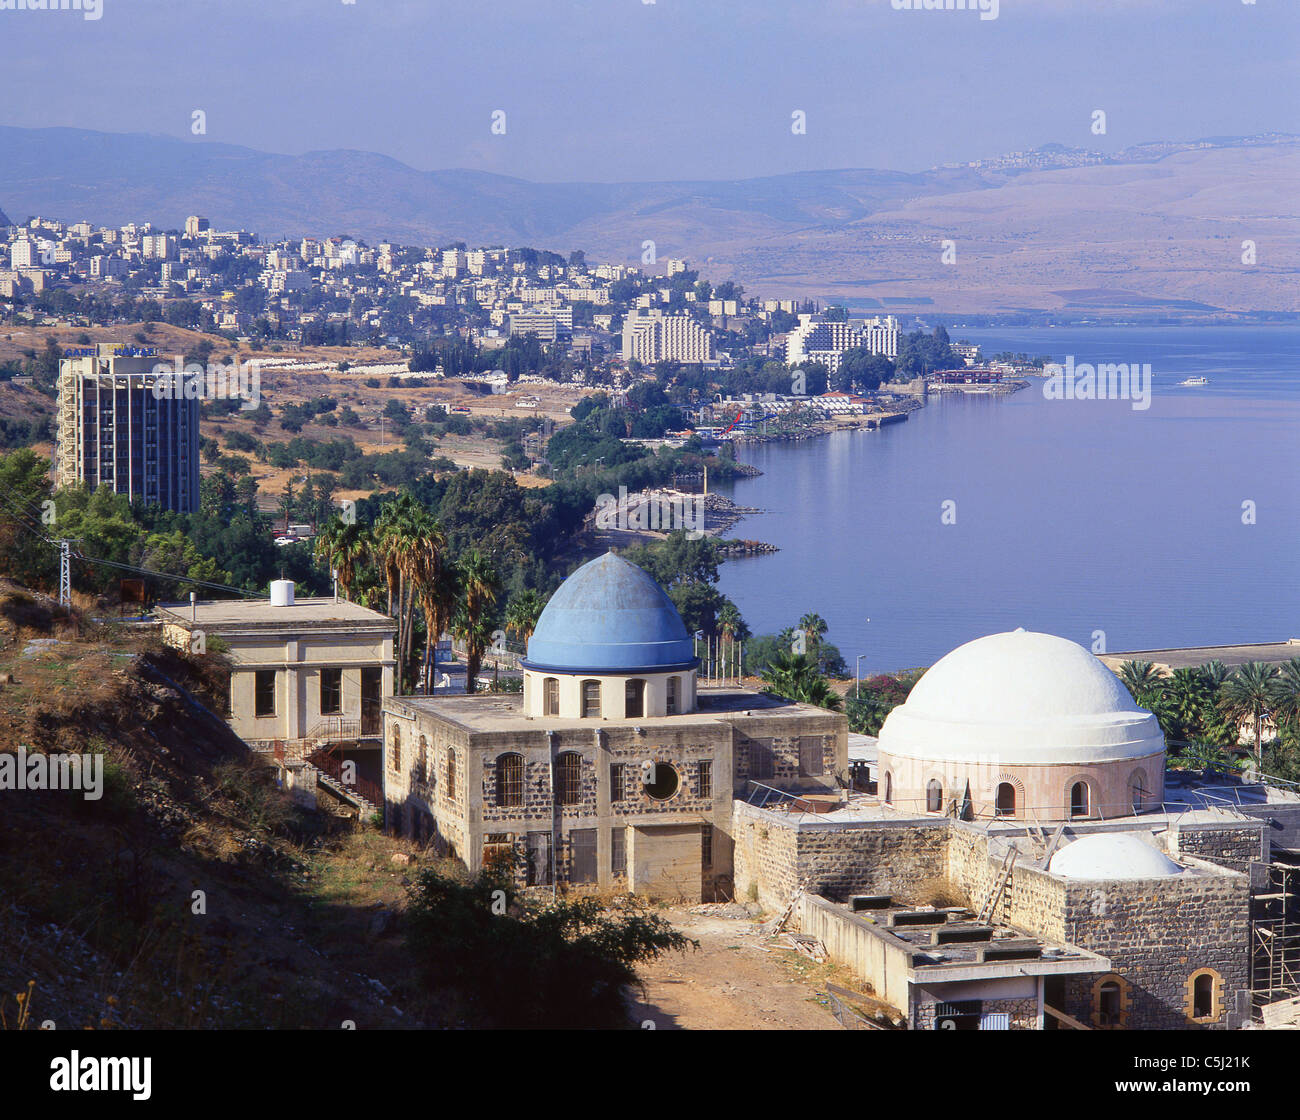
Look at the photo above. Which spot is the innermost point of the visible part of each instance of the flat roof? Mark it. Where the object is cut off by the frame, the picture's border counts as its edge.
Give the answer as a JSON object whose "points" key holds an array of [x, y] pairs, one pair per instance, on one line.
{"points": [[956, 960], [503, 711], [1189, 657], [238, 613]]}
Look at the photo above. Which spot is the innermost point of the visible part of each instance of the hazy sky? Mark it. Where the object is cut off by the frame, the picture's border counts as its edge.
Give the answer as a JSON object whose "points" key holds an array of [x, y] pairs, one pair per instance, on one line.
{"points": [[625, 89]]}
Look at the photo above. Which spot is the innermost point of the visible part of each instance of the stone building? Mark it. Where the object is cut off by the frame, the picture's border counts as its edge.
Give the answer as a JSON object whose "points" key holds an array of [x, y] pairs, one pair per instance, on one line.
{"points": [[614, 768], [1097, 892]]}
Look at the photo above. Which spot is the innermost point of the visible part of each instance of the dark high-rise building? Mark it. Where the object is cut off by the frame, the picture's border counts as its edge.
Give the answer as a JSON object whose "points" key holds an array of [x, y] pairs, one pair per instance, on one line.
{"points": [[124, 424]]}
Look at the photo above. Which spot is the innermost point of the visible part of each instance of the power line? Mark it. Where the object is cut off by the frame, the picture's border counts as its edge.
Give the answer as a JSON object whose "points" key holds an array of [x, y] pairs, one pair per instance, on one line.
{"points": [[77, 554]]}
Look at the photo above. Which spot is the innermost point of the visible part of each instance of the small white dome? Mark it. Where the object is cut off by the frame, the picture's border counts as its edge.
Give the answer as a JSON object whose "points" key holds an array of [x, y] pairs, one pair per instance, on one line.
{"points": [[1021, 697], [1112, 855]]}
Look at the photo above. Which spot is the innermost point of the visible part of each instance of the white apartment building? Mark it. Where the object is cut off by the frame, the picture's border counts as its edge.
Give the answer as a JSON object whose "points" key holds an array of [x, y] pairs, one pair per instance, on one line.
{"points": [[547, 323], [816, 339], [24, 253], [651, 337]]}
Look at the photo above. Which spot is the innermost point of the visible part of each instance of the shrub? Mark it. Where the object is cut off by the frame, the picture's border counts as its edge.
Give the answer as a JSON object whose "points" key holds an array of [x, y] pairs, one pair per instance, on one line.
{"points": [[515, 965]]}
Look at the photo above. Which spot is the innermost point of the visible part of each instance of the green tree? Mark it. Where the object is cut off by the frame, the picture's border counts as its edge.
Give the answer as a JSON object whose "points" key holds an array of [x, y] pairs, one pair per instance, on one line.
{"points": [[529, 965], [24, 488], [1252, 694], [795, 676], [522, 613], [480, 586]]}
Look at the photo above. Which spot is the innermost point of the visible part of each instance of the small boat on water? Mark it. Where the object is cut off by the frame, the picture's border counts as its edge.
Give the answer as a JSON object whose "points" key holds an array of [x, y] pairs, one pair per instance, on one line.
{"points": [[1195, 381]]}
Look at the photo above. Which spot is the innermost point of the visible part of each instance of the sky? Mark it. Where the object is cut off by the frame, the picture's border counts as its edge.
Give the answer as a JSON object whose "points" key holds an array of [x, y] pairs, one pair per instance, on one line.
{"points": [[615, 90]]}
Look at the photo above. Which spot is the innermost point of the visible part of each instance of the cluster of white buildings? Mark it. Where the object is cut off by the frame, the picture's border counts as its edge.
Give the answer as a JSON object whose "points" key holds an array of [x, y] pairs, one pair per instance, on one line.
{"points": [[652, 336], [393, 293], [818, 339]]}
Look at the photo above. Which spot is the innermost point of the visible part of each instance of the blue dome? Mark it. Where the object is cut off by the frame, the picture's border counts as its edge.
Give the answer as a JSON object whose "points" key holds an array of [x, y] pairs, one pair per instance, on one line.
{"points": [[610, 617]]}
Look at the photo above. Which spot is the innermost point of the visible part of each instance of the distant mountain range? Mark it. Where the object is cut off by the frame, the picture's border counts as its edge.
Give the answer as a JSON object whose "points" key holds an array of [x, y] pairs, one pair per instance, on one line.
{"points": [[1157, 226]]}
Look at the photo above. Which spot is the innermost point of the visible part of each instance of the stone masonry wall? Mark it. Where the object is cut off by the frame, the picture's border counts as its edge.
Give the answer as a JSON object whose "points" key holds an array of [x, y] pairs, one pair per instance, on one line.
{"points": [[1233, 847], [1157, 933], [764, 856], [1033, 900], [774, 852]]}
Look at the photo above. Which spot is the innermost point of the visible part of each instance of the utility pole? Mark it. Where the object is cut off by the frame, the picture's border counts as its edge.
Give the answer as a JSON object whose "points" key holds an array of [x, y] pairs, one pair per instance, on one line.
{"points": [[65, 573]]}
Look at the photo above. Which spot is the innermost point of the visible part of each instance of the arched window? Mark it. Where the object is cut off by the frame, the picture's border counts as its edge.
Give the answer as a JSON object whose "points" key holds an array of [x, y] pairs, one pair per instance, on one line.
{"points": [[1108, 1004], [634, 699], [551, 696], [395, 755], [1005, 801], [1203, 996], [672, 700], [591, 699], [422, 760], [1138, 791], [568, 778], [510, 779], [1079, 799], [451, 774], [933, 796], [889, 788]]}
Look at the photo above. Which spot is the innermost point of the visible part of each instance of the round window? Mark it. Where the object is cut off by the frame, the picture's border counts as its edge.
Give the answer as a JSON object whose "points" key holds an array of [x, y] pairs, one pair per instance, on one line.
{"points": [[665, 782]]}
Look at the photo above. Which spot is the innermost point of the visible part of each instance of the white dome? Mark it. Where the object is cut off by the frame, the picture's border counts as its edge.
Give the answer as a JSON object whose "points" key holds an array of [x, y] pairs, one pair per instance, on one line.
{"points": [[1021, 697], [1112, 855]]}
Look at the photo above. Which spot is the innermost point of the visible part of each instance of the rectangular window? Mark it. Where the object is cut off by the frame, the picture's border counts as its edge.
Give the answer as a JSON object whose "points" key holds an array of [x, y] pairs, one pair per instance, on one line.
{"points": [[331, 692], [706, 845], [810, 755], [550, 697], [538, 859], [582, 843], [591, 699], [264, 693], [760, 758], [618, 851], [672, 702], [616, 781], [705, 778]]}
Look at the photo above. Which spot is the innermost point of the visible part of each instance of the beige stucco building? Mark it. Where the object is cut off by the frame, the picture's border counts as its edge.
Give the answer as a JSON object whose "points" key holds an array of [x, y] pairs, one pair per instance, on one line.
{"points": [[310, 669]]}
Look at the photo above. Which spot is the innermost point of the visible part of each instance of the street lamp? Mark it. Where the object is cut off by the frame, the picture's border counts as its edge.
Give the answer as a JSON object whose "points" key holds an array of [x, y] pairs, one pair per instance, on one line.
{"points": [[857, 674]]}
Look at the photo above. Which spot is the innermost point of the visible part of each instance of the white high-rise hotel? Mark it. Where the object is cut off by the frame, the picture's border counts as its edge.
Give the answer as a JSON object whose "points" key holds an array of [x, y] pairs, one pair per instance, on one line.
{"points": [[652, 336], [816, 339]]}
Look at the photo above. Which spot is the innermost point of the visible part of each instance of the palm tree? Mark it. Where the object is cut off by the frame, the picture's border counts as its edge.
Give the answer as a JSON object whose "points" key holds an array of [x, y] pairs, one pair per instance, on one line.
{"points": [[814, 630], [397, 533], [343, 546], [1186, 697], [424, 558], [1252, 693], [1288, 692], [480, 587], [522, 613], [795, 676], [1143, 680]]}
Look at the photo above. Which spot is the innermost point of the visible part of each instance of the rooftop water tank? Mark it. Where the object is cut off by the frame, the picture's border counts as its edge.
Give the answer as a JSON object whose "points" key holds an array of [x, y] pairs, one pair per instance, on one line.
{"points": [[282, 593]]}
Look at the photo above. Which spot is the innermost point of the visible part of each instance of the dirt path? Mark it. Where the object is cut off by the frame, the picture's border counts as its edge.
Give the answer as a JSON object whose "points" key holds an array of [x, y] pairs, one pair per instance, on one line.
{"points": [[736, 980]]}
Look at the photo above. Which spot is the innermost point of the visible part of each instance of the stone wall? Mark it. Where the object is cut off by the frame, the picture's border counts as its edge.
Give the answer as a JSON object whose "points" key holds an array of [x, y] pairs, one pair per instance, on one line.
{"points": [[1233, 846], [1023, 1013], [1157, 933], [775, 852], [1032, 900], [765, 856]]}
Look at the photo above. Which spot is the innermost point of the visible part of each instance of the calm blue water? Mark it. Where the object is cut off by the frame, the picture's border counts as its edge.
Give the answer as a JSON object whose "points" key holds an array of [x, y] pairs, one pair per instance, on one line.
{"points": [[1072, 516]]}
